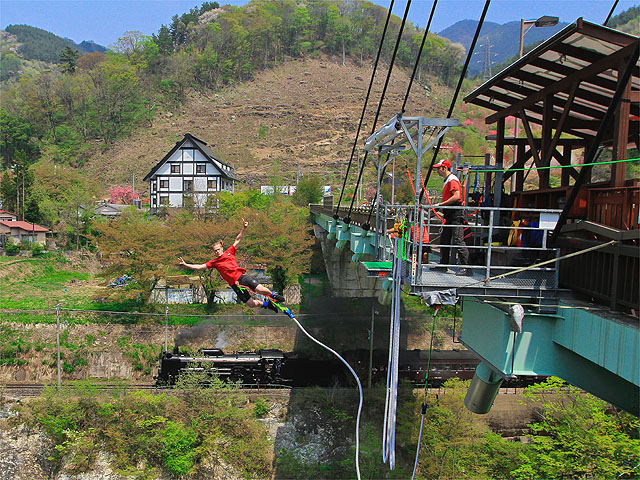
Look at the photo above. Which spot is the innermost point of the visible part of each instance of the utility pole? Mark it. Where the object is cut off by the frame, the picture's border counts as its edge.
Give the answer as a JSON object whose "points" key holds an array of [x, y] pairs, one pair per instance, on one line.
{"points": [[166, 328], [58, 342]]}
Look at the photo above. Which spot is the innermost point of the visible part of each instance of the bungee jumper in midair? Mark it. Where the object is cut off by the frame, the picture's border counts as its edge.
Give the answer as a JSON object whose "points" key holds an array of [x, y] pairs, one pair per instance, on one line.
{"points": [[227, 266]]}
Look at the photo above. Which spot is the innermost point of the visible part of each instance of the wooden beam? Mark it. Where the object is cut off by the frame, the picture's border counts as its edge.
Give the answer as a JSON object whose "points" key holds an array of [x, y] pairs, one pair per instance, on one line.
{"points": [[560, 125], [532, 144], [521, 159], [621, 135], [595, 144], [564, 176], [594, 69], [547, 126], [584, 109]]}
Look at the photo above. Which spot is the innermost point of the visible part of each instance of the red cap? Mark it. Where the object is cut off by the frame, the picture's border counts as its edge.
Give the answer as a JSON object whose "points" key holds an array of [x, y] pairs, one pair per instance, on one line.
{"points": [[443, 163]]}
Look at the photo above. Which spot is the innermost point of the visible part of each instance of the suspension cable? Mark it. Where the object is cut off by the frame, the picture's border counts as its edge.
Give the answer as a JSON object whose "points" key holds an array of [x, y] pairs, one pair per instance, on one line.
{"points": [[406, 96], [415, 65], [459, 86], [347, 219], [366, 101], [615, 4]]}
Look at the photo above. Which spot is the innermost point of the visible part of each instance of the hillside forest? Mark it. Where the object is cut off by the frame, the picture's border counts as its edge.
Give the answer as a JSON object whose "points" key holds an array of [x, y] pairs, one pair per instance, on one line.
{"points": [[66, 113], [53, 121]]}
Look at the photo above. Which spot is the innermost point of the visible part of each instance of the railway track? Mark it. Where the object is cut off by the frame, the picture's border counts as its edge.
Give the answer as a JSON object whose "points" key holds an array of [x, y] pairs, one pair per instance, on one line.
{"points": [[23, 390]]}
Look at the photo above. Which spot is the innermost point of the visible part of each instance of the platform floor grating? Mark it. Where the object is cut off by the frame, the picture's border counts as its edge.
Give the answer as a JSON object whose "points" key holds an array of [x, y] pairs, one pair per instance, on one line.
{"points": [[531, 279]]}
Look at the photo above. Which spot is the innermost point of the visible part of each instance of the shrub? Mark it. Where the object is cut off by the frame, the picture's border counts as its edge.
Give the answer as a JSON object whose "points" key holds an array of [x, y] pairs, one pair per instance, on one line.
{"points": [[36, 249], [178, 452], [12, 248], [260, 409]]}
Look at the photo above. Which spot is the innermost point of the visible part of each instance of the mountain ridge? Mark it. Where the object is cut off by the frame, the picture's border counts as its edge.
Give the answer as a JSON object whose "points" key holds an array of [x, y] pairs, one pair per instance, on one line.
{"points": [[497, 42], [39, 44]]}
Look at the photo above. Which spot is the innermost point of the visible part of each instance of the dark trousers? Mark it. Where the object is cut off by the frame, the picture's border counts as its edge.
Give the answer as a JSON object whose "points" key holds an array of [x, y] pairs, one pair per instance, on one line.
{"points": [[452, 234]]}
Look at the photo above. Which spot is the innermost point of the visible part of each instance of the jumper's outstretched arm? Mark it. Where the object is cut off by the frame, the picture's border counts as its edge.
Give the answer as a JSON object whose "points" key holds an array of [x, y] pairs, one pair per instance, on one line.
{"points": [[192, 266], [245, 224]]}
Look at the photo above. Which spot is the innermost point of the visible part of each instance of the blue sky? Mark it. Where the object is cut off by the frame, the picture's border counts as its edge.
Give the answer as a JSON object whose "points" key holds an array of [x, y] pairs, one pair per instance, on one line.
{"points": [[105, 21]]}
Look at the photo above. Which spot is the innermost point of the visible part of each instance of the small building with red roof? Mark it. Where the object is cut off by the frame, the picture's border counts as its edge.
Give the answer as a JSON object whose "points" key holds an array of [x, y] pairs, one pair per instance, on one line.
{"points": [[7, 216], [19, 231]]}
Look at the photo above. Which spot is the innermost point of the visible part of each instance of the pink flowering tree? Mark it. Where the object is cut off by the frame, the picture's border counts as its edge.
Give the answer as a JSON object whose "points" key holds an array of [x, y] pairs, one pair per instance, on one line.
{"points": [[122, 194]]}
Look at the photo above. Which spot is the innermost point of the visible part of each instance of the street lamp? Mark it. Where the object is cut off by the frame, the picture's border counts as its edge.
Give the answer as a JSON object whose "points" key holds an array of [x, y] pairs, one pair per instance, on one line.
{"points": [[544, 21]]}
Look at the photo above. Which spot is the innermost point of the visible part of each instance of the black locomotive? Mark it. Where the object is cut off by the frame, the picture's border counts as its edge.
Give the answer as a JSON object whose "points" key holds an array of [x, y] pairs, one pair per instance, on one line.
{"points": [[274, 367], [261, 368]]}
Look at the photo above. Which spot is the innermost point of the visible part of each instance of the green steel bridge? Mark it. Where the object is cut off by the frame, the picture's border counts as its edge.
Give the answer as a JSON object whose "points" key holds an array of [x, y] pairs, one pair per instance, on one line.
{"points": [[560, 331]]}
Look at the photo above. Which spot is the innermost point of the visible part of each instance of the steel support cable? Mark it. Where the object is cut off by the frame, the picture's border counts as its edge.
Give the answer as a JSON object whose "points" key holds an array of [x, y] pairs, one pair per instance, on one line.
{"points": [[347, 219], [406, 96], [366, 101], [391, 401], [359, 390], [546, 262], [415, 65], [615, 4], [623, 80], [458, 87]]}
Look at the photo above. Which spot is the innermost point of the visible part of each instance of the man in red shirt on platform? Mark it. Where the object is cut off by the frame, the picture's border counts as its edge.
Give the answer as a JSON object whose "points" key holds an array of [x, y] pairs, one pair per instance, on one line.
{"points": [[452, 232], [228, 268]]}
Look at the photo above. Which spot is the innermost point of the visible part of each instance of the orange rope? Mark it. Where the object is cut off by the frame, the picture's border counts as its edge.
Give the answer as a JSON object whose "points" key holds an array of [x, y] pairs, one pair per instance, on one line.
{"points": [[428, 199]]}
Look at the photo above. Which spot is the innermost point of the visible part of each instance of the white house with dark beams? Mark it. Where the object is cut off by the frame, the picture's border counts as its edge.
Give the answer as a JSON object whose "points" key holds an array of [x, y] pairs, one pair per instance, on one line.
{"points": [[190, 172]]}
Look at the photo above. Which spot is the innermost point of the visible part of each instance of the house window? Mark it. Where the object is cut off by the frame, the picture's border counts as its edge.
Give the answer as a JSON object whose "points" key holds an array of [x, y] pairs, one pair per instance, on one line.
{"points": [[164, 199], [175, 168], [164, 183], [202, 168], [187, 186], [212, 185]]}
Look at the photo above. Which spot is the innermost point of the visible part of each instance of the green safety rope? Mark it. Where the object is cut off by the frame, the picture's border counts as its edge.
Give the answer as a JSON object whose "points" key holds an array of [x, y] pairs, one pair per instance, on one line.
{"points": [[433, 328], [558, 166]]}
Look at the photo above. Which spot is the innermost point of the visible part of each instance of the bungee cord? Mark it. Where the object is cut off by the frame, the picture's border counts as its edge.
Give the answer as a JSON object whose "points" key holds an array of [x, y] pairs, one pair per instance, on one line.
{"points": [[359, 390], [391, 400]]}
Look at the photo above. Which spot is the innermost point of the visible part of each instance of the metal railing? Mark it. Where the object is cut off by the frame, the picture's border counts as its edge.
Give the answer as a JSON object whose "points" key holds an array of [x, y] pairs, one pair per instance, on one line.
{"points": [[496, 245]]}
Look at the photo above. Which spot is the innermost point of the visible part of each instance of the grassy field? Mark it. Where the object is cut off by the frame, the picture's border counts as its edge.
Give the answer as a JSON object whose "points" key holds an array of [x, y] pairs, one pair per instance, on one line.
{"points": [[30, 289]]}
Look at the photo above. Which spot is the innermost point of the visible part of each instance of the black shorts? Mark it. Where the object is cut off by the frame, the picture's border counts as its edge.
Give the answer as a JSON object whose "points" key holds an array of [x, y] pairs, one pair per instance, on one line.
{"points": [[243, 294]]}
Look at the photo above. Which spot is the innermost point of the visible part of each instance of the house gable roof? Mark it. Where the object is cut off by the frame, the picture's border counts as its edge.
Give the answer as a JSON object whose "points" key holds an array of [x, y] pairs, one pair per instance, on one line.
{"points": [[204, 149], [26, 226]]}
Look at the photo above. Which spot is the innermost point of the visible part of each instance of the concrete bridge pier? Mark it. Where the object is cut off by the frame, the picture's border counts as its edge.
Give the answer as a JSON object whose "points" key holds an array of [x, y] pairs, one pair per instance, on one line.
{"points": [[348, 279]]}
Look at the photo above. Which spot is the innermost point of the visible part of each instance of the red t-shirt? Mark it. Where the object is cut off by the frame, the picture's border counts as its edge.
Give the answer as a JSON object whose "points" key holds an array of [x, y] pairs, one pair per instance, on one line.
{"points": [[227, 266], [451, 184]]}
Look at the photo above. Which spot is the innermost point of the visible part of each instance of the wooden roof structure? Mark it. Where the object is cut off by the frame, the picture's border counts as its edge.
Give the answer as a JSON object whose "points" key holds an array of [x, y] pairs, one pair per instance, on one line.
{"points": [[584, 82]]}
